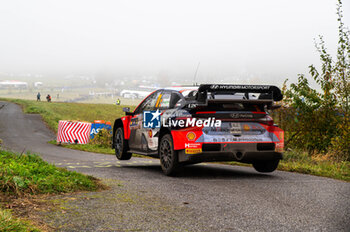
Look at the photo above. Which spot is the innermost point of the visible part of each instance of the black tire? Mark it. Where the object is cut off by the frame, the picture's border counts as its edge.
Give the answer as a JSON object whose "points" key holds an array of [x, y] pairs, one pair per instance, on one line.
{"points": [[167, 155], [121, 145], [266, 166]]}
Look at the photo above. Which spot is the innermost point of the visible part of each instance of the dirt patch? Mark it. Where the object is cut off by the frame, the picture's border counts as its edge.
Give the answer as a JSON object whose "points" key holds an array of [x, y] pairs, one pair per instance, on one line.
{"points": [[27, 208]]}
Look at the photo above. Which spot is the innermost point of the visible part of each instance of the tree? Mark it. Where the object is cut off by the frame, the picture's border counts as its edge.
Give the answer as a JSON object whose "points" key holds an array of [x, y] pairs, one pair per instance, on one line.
{"points": [[322, 121]]}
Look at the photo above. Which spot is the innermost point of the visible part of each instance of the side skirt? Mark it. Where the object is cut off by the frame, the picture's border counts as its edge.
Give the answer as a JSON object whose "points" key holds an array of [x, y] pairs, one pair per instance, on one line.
{"points": [[152, 153]]}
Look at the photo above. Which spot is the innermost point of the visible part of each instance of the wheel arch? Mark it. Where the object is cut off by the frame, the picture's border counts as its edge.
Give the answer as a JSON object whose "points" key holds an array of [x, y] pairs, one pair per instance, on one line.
{"points": [[163, 131], [117, 123]]}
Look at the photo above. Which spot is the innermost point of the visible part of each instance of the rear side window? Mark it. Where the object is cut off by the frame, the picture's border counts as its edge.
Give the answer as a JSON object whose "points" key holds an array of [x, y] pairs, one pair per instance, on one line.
{"points": [[175, 100], [168, 100], [164, 101]]}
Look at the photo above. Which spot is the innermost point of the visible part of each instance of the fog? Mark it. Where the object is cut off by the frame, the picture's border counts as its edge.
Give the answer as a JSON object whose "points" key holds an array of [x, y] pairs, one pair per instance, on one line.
{"points": [[234, 41]]}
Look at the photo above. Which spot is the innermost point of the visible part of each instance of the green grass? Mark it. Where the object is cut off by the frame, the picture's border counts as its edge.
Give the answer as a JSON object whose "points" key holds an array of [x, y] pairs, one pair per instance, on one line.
{"points": [[294, 161], [55, 111], [29, 174], [88, 147], [301, 162], [25, 174], [9, 223]]}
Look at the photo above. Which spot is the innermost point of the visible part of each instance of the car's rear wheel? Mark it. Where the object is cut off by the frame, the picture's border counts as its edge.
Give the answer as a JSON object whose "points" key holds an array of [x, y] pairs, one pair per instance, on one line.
{"points": [[266, 166], [121, 145], [167, 155]]}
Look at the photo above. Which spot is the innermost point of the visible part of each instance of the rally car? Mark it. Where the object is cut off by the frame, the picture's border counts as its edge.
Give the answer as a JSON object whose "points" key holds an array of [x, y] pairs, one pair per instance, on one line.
{"points": [[212, 122]]}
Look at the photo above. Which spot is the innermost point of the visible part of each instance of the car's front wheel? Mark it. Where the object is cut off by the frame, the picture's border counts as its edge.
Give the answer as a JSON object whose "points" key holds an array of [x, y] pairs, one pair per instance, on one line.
{"points": [[121, 145], [266, 166], [167, 155]]}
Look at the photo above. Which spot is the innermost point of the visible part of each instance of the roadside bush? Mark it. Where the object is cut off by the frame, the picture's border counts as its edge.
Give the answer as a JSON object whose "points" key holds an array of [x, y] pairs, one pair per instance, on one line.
{"points": [[103, 138], [318, 121], [341, 142]]}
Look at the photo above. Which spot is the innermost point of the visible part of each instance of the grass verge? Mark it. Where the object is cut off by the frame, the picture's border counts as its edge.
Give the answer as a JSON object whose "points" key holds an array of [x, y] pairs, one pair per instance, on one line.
{"points": [[10, 223], [294, 161], [301, 162], [27, 174]]}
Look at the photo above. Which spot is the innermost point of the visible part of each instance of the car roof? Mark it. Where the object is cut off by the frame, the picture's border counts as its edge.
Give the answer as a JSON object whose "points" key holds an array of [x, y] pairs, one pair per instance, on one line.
{"points": [[181, 88]]}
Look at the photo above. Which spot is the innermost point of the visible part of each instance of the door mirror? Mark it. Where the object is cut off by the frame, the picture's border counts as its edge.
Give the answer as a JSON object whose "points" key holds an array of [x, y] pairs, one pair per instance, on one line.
{"points": [[127, 111]]}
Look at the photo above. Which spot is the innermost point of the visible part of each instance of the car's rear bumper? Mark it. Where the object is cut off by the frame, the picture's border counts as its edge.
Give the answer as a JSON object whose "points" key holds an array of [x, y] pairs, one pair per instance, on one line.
{"points": [[243, 152]]}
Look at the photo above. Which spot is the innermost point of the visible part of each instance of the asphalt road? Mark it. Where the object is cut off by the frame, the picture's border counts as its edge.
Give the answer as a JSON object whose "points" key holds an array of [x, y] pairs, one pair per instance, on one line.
{"points": [[204, 197]]}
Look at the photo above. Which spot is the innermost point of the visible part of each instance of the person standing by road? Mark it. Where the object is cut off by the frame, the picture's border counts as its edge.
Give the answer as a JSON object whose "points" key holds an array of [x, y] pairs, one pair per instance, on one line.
{"points": [[48, 98], [118, 102], [38, 96]]}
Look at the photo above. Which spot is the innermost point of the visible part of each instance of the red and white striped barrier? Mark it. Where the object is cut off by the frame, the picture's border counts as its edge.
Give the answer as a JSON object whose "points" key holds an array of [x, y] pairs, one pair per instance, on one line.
{"points": [[73, 132]]}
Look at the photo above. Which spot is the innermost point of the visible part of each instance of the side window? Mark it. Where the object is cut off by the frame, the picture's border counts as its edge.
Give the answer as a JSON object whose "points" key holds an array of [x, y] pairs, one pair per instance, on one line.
{"points": [[148, 103], [152, 102]]}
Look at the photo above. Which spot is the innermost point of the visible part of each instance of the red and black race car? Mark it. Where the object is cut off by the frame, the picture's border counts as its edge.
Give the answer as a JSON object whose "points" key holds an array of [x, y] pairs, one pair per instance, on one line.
{"points": [[186, 125]]}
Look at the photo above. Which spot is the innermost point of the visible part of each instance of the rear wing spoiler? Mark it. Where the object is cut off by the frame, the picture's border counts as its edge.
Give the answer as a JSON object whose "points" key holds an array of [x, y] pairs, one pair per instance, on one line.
{"points": [[271, 92]]}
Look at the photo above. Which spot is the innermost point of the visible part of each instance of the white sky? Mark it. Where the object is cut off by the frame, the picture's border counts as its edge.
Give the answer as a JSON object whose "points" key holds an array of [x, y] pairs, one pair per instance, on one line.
{"points": [[270, 39]]}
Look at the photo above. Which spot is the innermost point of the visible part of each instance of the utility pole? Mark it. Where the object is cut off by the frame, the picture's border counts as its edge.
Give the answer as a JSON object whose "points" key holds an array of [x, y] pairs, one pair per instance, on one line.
{"points": [[195, 74]]}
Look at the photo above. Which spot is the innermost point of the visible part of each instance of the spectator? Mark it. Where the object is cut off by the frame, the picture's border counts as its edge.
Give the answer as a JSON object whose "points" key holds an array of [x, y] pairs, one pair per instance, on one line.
{"points": [[38, 96]]}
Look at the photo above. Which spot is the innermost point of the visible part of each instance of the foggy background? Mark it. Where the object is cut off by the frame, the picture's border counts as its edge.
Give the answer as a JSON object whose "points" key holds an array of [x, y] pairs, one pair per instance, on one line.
{"points": [[252, 41]]}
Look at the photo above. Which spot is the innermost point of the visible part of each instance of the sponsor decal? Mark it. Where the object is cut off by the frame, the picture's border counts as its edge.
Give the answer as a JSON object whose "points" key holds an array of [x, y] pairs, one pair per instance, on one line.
{"points": [[192, 105], [193, 150], [134, 122], [240, 115], [234, 139], [246, 127], [235, 128], [151, 119], [193, 145], [239, 87], [180, 113], [191, 136]]}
